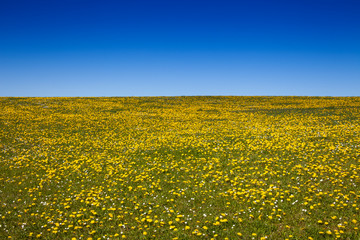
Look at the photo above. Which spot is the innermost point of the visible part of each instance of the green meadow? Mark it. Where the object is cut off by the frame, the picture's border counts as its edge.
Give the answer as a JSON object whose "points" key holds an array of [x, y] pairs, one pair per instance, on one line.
{"points": [[180, 168]]}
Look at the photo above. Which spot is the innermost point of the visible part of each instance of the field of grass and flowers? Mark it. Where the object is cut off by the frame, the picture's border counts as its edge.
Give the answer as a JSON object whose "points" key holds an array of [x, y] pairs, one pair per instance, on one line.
{"points": [[180, 168]]}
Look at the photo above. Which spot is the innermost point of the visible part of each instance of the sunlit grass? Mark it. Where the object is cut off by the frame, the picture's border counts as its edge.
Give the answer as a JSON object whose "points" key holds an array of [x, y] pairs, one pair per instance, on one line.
{"points": [[180, 168]]}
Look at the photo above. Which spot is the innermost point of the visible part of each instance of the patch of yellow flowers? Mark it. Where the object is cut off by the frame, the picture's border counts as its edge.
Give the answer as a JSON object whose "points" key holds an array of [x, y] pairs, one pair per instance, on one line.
{"points": [[180, 168]]}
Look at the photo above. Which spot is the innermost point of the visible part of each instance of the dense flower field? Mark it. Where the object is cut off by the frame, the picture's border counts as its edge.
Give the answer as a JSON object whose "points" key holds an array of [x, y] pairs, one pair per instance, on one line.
{"points": [[180, 168]]}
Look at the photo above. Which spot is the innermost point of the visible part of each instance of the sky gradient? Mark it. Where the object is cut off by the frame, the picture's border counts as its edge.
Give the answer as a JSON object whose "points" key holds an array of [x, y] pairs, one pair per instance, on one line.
{"points": [[176, 48]]}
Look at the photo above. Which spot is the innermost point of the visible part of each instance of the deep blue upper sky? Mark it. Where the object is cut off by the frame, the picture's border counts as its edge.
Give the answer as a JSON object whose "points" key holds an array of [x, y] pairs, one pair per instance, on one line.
{"points": [[156, 48]]}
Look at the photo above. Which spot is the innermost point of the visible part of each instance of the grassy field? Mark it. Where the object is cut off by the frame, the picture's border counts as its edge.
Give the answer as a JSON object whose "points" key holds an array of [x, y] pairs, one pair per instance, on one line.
{"points": [[180, 168]]}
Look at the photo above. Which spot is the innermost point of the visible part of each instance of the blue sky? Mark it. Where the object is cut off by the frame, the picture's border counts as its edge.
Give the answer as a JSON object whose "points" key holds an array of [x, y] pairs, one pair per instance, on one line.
{"points": [[175, 48]]}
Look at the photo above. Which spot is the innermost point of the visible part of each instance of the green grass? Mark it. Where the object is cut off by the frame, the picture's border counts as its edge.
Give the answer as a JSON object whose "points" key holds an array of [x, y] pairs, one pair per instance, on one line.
{"points": [[180, 167]]}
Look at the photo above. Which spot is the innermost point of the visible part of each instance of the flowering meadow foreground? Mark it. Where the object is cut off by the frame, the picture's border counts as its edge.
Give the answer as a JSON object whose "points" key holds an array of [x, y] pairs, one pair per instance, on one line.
{"points": [[180, 168]]}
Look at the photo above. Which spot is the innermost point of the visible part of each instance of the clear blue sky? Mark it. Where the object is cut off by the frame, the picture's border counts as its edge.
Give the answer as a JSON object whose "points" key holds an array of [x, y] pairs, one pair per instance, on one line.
{"points": [[174, 48]]}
